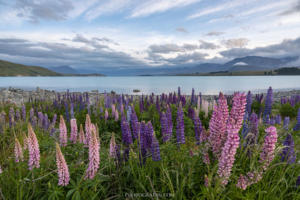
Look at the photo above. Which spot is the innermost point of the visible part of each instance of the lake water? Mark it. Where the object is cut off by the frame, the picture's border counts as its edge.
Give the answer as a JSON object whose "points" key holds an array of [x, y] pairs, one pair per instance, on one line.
{"points": [[155, 84]]}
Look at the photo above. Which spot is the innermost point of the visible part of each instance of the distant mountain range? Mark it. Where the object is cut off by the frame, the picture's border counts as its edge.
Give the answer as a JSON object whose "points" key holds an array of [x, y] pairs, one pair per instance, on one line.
{"points": [[64, 70]]}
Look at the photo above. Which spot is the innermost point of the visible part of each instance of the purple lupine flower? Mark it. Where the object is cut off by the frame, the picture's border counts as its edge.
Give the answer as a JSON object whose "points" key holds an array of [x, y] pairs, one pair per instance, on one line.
{"points": [[149, 134], [74, 130], [134, 121], [267, 154], [155, 149], [62, 168], [126, 133], [40, 119], [249, 103], [288, 152], [297, 126], [81, 135], [180, 126], [193, 96], [254, 126], [272, 121], [228, 155], [18, 151], [286, 122], [142, 141], [11, 116], [72, 110], [33, 148], [267, 119], [170, 122], [112, 147], [18, 115], [129, 111], [24, 113], [237, 112], [31, 115], [94, 156], [179, 92], [45, 122], [268, 103], [198, 129], [63, 132], [278, 119], [164, 127]]}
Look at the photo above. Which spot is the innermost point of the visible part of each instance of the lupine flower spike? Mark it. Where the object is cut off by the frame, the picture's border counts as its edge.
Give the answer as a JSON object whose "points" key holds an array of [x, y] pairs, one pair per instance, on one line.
{"points": [[94, 157], [63, 132], [18, 151], [82, 139], [62, 168], [112, 146], [33, 148]]}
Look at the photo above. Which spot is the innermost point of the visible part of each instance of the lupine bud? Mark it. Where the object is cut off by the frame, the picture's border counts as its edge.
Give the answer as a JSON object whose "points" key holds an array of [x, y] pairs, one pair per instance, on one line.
{"points": [[113, 109], [155, 149], [228, 155], [112, 146], [74, 130], [267, 154], [180, 126], [297, 126], [18, 151], [198, 129], [62, 168], [87, 128], [288, 152], [82, 139], [94, 157], [33, 148], [25, 141], [63, 138]]}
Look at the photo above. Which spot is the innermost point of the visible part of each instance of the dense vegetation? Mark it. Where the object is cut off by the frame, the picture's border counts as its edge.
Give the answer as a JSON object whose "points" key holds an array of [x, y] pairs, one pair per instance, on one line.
{"points": [[154, 147]]}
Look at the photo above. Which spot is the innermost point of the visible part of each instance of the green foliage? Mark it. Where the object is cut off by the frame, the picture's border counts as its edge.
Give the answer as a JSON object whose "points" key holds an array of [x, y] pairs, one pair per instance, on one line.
{"points": [[287, 110]]}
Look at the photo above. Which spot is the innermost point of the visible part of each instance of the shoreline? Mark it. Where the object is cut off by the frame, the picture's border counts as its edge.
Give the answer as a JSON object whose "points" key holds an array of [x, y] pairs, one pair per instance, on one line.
{"points": [[19, 96]]}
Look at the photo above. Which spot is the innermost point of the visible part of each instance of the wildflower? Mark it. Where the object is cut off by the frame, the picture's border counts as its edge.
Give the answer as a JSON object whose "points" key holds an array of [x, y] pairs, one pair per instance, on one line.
{"points": [[267, 154], [116, 115], [87, 128], [297, 126], [134, 121], [81, 135], [126, 133], [63, 132], [106, 115], [237, 112], [268, 103], [170, 122], [94, 157], [74, 130], [112, 146], [62, 168], [286, 122], [288, 152], [18, 151], [33, 148], [228, 155], [155, 149], [164, 127], [23, 113], [180, 126], [249, 103]]}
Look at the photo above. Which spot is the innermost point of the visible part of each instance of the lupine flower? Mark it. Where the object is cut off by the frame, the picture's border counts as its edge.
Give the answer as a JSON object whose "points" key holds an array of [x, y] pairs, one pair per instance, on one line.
{"points": [[272, 121], [74, 130], [129, 111], [297, 126], [155, 149], [205, 106], [62, 168], [18, 151], [249, 103], [267, 154], [126, 133], [149, 134], [25, 141], [198, 129], [288, 152], [116, 115], [298, 181], [81, 135], [251, 139], [246, 181], [23, 113], [268, 103], [94, 157], [33, 148], [112, 146], [134, 127], [18, 115], [11, 117], [170, 122], [87, 128], [278, 119], [63, 138], [180, 126], [228, 155], [113, 109], [164, 127], [106, 115], [286, 122], [31, 115], [237, 112]]}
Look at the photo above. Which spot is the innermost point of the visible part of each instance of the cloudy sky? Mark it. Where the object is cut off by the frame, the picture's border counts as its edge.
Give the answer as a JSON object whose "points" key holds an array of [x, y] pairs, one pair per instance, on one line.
{"points": [[139, 33]]}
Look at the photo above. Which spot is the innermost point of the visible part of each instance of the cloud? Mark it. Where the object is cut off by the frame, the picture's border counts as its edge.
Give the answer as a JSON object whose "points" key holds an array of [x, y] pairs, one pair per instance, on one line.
{"points": [[235, 42], [35, 11], [46, 53], [293, 9], [215, 33], [207, 45], [171, 48], [283, 49], [154, 6], [182, 30]]}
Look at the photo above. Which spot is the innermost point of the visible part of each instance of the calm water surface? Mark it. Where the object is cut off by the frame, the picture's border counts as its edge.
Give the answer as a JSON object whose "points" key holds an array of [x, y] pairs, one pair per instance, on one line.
{"points": [[155, 84]]}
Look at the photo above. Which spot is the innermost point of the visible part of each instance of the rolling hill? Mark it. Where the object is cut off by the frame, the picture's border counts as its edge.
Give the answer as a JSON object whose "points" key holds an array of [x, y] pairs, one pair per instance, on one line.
{"points": [[13, 69]]}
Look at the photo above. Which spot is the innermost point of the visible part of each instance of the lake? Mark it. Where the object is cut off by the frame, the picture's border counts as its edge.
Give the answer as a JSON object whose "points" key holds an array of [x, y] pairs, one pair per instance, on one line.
{"points": [[155, 84]]}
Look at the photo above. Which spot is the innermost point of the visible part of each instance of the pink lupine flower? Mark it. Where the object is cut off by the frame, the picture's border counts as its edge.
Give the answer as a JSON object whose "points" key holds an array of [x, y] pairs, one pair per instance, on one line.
{"points": [[267, 153], [249, 179], [228, 155], [63, 138], [205, 106], [25, 141], [113, 109], [87, 128], [106, 115], [82, 139], [206, 181], [112, 146], [116, 115], [94, 157], [18, 151], [62, 168], [33, 148], [237, 112], [74, 130]]}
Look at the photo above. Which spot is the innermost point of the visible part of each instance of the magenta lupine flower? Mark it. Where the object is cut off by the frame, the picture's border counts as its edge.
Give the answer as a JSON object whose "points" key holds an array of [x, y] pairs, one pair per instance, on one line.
{"points": [[62, 168], [228, 155], [87, 128], [33, 148], [82, 139], [237, 112], [18, 151], [63, 138], [112, 147], [74, 130], [106, 115], [267, 153], [94, 157]]}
